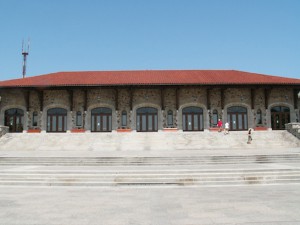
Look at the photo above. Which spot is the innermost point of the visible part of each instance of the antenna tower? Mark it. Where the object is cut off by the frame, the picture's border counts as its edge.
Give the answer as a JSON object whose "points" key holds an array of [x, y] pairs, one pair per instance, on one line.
{"points": [[25, 53]]}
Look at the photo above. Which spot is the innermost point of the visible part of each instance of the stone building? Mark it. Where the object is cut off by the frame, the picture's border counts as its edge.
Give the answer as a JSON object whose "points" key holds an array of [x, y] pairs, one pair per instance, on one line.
{"points": [[147, 101]]}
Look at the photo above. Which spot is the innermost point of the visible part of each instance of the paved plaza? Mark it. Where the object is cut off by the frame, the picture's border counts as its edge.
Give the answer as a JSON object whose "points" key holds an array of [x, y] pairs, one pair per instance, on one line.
{"points": [[264, 205]]}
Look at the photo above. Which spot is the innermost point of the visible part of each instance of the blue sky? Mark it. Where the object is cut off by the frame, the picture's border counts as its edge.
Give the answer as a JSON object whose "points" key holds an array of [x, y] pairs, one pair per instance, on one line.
{"points": [[261, 36]]}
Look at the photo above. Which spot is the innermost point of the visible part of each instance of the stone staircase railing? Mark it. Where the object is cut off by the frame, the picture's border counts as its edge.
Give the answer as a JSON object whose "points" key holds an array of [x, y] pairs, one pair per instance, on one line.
{"points": [[293, 128], [3, 130]]}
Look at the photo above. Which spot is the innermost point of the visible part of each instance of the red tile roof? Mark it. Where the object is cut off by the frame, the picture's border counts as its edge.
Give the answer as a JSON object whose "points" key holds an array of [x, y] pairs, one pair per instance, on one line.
{"points": [[148, 77]]}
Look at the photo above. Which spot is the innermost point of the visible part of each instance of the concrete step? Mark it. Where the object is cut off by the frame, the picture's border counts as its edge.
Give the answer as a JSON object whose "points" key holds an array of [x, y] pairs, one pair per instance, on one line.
{"points": [[148, 161], [147, 141], [149, 172], [240, 179], [53, 176], [149, 177]]}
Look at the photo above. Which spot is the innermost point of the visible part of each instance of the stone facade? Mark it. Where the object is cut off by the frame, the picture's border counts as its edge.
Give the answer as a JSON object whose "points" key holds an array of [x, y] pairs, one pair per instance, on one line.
{"points": [[128, 100]]}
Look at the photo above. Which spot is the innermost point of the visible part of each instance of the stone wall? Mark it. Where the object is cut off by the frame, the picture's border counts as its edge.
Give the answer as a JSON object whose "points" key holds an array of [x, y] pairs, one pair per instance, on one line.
{"points": [[215, 101], [169, 99], [123, 105], [293, 128], [118, 99], [34, 106], [259, 105], [13, 98], [3, 130]]}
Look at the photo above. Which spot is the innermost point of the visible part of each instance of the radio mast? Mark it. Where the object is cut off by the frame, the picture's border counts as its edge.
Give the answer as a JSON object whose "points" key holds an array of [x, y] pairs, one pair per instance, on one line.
{"points": [[25, 53]]}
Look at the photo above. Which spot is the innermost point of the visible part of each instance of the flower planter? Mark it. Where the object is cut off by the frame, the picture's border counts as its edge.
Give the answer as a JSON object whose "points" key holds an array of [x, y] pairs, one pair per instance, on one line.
{"points": [[81, 130], [214, 129], [170, 129], [124, 130], [34, 131], [260, 128]]}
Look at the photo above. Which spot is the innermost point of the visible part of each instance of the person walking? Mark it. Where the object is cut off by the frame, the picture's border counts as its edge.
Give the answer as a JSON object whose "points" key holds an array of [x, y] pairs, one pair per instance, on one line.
{"points": [[220, 125], [249, 136], [226, 130]]}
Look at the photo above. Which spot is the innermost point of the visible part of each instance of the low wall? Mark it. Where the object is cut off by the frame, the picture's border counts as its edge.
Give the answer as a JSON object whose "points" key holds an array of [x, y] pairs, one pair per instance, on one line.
{"points": [[3, 130], [293, 128]]}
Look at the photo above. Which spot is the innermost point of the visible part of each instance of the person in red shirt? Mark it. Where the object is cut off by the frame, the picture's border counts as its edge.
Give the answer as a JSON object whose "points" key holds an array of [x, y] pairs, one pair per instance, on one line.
{"points": [[220, 125]]}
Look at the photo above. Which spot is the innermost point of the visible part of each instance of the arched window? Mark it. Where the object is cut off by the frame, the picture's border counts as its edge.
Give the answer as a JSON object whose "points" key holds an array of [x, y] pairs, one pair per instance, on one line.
{"points": [[34, 119], [258, 117], [57, 111], [14, 119], [170, 118], [237, 118], [57, 120], [280, 109], [192, 119], [146, 119], [124, 118], [280, 115], [78, 119], [101, 120], [215, 118]]}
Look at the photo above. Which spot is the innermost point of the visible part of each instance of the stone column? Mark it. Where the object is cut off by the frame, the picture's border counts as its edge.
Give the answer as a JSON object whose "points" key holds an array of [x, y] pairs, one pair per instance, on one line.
{"points": [[206, 119], [268, 119]]}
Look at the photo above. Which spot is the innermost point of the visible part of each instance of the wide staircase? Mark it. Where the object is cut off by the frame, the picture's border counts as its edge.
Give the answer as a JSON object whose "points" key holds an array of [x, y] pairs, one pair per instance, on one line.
{"points": [[149, 159], [147, 141]]}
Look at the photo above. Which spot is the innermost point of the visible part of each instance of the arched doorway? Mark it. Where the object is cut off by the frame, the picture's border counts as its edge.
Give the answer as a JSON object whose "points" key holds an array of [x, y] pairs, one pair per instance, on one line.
{"points": [[146, 119], [192, 119], [57, 120], [280, 115], [237, 118], [101, 120], [14, 119]]}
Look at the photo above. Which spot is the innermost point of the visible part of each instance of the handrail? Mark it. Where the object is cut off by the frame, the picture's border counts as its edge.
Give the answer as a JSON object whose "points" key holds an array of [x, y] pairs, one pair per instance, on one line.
{"points": [[3, 130], [293, 128]]}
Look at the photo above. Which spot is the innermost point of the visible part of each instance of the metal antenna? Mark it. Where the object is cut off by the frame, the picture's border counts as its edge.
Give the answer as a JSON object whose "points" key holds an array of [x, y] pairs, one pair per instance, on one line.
{"points": [[25, 53]]}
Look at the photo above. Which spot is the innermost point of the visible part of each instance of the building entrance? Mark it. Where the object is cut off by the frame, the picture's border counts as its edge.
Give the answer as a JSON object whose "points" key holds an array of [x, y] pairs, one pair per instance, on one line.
{"points": [[280, 115], [192, 119], [237, 118], [14, 119], [57, 120], [101, 120], [146, 119]]}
